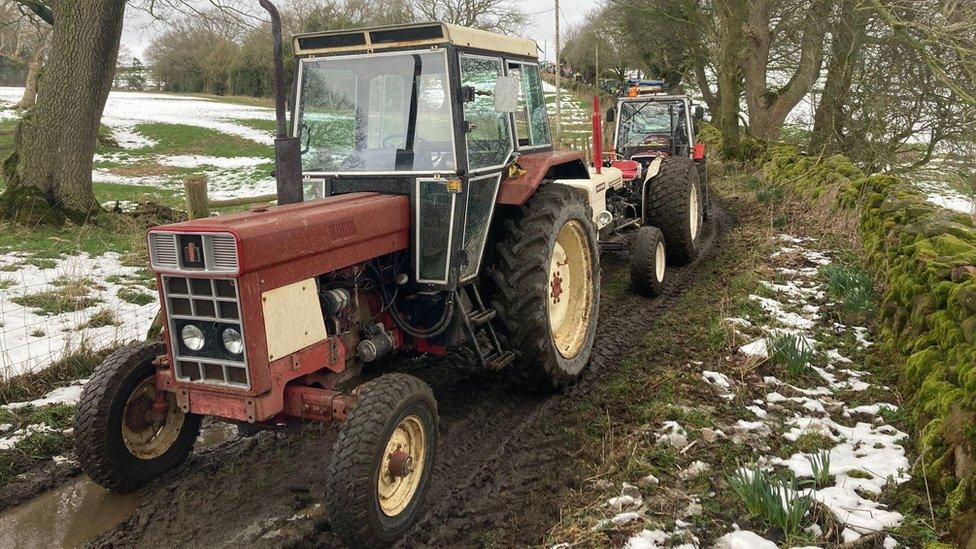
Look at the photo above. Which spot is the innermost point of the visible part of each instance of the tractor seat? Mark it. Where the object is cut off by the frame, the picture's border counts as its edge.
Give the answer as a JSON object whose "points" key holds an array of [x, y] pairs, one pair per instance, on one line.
{"points": [[628, 168]]}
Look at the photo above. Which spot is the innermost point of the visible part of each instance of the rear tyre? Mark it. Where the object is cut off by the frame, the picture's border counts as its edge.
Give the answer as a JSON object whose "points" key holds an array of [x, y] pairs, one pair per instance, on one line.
{"points": [[674, 203], [382, 461], [547, 286], [121, 442], [702, 167], [648, 262]]}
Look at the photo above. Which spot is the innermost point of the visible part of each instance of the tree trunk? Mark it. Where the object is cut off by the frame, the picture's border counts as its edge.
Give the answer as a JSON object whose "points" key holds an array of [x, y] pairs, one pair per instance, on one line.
{"points": [[730, 18], [830, 120], [49, 173], [768, 109]]}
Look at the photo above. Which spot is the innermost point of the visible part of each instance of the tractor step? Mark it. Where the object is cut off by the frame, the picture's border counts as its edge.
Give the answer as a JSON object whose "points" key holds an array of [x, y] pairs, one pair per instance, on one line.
{"points": [[477, 321], [480, 318], [497, 362]]}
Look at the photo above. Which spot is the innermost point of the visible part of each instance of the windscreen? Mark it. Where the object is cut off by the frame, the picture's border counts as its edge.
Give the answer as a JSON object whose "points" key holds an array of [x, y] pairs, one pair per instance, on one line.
{"points": [[647, 123], [380, 113]]}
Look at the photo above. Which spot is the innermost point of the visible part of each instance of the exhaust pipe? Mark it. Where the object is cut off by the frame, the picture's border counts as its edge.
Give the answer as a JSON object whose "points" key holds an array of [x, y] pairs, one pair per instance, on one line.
{"points": [[288, 153]]}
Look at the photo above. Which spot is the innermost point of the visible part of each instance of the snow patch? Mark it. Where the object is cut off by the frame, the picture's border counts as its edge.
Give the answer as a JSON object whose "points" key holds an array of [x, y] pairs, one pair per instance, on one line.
{"points": [[62, 395], [743, 539]]}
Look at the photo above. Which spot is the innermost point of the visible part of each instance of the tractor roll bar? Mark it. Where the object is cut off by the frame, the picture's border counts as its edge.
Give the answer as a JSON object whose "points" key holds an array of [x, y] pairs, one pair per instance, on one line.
{"points": [[288, 155]]}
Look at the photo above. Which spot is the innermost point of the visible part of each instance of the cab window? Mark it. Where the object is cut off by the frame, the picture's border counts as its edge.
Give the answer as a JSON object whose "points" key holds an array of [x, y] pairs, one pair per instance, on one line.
{"points": [[531, 119], [490, 137]]}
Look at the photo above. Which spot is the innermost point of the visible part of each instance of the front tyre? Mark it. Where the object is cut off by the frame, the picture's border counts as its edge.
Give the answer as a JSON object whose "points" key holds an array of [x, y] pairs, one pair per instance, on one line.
{"points": [[382, 461], [648, 263], [674, 202], [547, 285], [123, 441]]}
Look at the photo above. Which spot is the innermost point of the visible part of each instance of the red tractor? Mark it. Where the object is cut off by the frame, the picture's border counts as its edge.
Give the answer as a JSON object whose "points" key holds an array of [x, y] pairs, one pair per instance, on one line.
{"points": [[654, 146], [421, 207]]}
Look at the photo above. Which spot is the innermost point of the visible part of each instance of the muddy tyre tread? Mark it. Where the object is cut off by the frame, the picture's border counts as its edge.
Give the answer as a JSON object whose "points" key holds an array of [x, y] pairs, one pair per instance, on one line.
{"points": [[350, 483], [643, 266], [93, 444], [521, 264], [668, 207]]}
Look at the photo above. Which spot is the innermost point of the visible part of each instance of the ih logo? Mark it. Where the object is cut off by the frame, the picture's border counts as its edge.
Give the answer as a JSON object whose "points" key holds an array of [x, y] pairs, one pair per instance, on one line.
{"points": [[191, 253]]}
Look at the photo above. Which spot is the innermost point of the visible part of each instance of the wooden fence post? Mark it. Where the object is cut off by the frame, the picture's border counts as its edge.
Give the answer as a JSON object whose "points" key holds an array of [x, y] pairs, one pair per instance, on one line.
{"points": [[195, 191]]}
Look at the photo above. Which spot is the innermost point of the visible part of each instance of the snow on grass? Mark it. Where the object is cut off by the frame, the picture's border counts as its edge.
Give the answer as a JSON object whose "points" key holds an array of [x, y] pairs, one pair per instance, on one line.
{"points": [[743, 539], [68, 395], [940, 193], [124, 110], [864, 457], [9, 441], [74, 304], [233, 177], [196, 161]]}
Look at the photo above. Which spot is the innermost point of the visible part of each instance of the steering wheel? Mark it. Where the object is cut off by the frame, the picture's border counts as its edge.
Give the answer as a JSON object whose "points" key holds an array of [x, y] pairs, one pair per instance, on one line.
{"points": [[401, 138]]}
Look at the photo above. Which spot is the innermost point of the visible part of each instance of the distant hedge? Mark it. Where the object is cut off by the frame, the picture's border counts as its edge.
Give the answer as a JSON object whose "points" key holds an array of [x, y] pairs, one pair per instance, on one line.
{"points": [[926, 256]]}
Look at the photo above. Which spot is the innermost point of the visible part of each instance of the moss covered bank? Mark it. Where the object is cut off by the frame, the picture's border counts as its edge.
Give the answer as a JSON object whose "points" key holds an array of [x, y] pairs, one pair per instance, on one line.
{"points": [[926, 257]]}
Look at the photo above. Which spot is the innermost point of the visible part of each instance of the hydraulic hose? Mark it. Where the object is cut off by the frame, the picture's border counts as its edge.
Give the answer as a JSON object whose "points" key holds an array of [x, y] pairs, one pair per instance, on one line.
{"points": [[420, 333]]}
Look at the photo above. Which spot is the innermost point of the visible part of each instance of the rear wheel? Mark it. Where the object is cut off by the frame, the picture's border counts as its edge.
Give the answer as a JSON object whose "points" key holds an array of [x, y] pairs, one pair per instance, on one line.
{"points": [[126, 433], [382, 461], [648, 262], [547, 285], [674, 203]]}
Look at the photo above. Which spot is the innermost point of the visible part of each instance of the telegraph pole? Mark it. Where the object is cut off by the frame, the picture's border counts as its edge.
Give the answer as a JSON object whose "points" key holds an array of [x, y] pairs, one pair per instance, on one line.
{"points": [[559, 117]]}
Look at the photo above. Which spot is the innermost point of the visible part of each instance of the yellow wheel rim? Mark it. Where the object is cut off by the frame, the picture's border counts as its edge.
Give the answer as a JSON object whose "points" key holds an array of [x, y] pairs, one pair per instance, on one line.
{"points": [[148, 435], [402, 466], [570, 292], [693, 212]]}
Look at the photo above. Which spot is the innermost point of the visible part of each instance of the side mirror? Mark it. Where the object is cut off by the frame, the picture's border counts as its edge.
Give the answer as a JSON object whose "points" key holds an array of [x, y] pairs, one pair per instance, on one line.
{"points": [[611, 115], [506, 94], [699, 113]]}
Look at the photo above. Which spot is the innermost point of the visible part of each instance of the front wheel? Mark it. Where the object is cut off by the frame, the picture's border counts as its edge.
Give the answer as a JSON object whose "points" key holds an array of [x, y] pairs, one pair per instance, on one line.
{"points": [[126, 432], [382, 461], [648, 263]]}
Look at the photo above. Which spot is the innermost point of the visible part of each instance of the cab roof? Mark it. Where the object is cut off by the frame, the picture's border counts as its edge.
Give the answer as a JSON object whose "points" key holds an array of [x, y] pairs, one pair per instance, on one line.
{"points": [[414, 34]]}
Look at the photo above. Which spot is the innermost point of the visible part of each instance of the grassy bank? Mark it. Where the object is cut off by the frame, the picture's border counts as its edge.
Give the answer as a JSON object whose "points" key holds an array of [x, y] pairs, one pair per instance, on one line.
{"points": [[926, 258]]}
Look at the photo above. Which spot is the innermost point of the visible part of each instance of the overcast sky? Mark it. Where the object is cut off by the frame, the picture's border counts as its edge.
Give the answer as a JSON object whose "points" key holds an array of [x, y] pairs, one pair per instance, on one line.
{"points": [[140, 29]]}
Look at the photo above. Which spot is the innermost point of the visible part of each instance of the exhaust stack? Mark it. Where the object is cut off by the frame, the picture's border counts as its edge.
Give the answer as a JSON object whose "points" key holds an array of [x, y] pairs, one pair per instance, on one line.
{"points": [[288, 155]]}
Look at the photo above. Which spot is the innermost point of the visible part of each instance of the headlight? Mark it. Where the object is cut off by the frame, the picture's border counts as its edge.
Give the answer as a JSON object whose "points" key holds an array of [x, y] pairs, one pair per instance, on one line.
{"points": [[233, 341], [192, 337]]}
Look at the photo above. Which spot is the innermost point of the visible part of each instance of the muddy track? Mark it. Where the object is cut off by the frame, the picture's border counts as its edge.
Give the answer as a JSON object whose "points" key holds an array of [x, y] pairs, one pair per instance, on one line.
{"points": [[503, 457]]}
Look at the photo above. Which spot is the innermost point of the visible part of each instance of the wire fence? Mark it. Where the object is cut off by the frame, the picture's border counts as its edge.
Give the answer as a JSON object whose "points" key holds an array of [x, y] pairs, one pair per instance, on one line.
{"points": [[50, 308]]}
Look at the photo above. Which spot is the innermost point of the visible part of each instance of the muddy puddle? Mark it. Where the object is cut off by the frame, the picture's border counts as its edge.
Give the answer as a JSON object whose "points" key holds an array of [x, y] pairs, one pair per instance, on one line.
{"points": [[73, 514]]}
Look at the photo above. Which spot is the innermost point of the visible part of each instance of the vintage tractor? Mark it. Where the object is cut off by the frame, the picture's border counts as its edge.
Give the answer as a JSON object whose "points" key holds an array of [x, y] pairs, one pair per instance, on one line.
{"points": [[654, 147], [422, 207]]}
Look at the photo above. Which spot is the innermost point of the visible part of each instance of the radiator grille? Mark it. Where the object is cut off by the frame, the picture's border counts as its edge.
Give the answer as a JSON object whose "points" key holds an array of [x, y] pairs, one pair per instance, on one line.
{"points": [[212, 305], [162, 251], [189, 252], [224, 248]]}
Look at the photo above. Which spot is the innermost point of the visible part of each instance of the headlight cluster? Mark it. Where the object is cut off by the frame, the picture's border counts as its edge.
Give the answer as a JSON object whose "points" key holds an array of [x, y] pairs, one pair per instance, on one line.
{"points": [[194, 340]]}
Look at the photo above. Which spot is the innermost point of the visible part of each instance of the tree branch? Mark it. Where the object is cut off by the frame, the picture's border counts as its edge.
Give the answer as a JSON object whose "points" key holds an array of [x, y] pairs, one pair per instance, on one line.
{"points": [[39, 8]]}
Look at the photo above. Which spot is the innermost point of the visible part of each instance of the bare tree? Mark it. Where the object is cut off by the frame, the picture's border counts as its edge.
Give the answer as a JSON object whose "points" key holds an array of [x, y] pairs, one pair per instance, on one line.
{"points": [[497, 15], [24, 39], [781, 35]]}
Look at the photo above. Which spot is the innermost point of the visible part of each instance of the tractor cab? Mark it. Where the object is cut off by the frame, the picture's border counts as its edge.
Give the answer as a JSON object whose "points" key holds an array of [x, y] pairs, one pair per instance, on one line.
{"points": [[432, 111], [650, 125]]}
